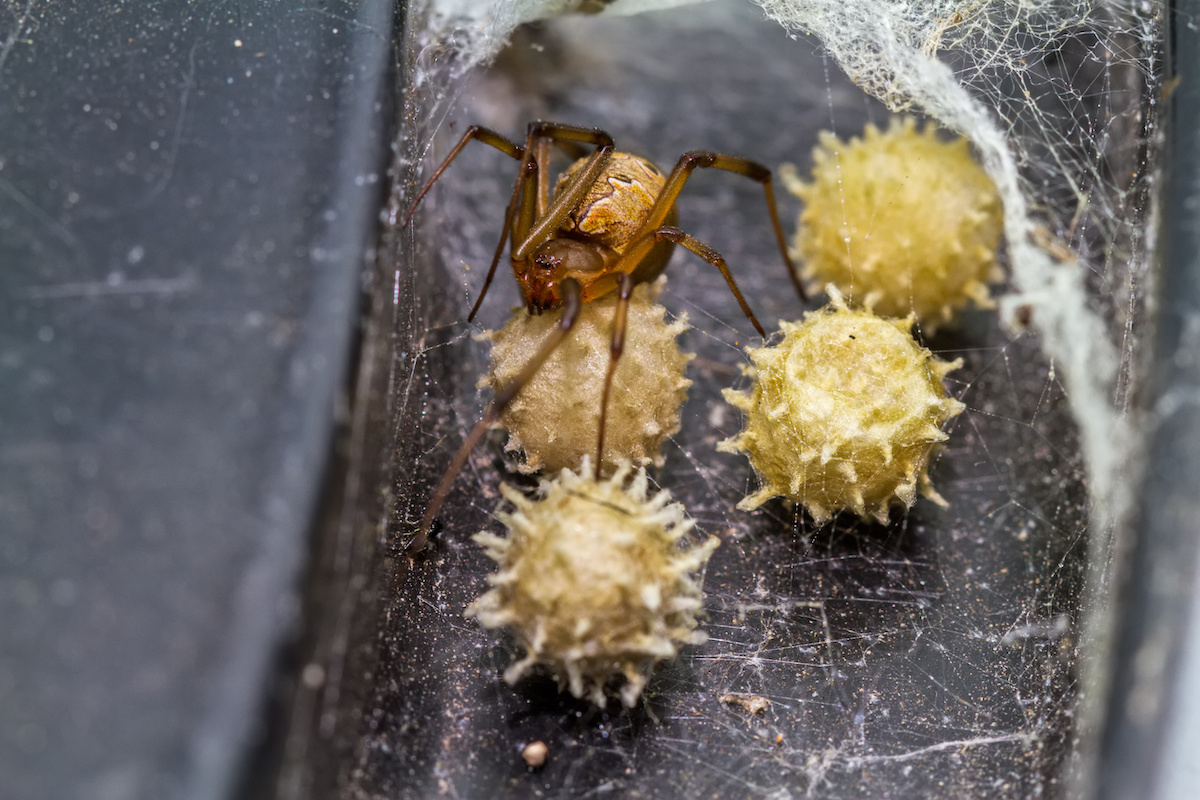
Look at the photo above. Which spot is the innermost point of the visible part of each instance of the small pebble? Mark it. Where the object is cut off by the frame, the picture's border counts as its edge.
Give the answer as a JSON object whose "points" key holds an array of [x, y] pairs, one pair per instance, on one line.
{"points": [[535, 754]]}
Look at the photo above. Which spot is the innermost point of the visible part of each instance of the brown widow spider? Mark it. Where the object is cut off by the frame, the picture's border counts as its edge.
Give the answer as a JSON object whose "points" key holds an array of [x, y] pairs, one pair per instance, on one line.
{"points": [[608, 226]]}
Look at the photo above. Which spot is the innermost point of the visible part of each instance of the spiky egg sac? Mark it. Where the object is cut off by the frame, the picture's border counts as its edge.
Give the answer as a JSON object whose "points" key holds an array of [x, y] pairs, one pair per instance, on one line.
{"points": [[555, 419], [596, 579], [901, 221], [844, 413]]}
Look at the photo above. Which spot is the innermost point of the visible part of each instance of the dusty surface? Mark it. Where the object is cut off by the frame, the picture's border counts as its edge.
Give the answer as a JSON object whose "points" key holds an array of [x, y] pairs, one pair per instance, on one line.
{"points": [[930, 657]]}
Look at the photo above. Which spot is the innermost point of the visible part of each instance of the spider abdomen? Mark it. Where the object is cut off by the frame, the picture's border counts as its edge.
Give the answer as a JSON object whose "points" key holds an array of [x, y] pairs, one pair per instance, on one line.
{"points": [[618, 202]]}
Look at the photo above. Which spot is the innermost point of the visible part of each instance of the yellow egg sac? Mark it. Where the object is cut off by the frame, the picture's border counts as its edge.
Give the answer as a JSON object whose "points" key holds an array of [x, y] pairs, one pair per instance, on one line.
{"points": [[844, 413], [900, 221], [555, 420], [597, 580]]}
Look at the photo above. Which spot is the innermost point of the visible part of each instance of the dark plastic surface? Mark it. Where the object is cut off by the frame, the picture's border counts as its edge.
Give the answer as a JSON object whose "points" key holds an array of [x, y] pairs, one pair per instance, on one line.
{"points": [[1151, 747], [186, 195], [933, 658], [187, 191]]}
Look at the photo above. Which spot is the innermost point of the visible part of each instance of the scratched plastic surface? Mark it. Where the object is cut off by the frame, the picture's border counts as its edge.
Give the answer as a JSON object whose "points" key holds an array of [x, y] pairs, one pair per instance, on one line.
{"points": [[933, 657]]}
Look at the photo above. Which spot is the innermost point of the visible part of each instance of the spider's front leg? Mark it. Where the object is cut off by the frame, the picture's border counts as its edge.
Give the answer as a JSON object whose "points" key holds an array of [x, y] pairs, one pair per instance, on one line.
{"points": [[478, 133], [684, 168], [625, 284], [529, 233], [572, 303], [633, 260]]}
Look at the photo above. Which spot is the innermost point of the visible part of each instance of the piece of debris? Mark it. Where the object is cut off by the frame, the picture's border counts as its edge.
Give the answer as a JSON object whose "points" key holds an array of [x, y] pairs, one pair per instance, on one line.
{"points": [[753, 703], [535, 754]]}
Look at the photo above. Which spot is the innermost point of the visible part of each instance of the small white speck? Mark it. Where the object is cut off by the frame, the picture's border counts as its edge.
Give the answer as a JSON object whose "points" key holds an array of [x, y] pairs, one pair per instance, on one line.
{"points": [[237, 42], [136, 254], [313, 676]]}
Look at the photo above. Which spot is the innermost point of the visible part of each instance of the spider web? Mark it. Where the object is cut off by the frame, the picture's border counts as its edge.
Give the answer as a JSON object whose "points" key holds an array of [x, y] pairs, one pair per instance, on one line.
{"points": [[938, 656]]}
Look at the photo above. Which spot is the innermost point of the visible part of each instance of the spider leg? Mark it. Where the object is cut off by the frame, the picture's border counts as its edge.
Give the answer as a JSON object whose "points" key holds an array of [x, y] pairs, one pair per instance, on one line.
{"points": [[625, 284], [541, 155], [543, 228], [473, 133], [636, 252], [520, 199], [572, 302], [487, 136], [573, 150], [688, 163]]}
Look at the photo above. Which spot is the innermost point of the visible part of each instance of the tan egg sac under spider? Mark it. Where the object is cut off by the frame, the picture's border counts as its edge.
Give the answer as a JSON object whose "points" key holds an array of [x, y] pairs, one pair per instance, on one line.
{"points": [[596, 579], [844, 413], [900, 221], [555, 418]]}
